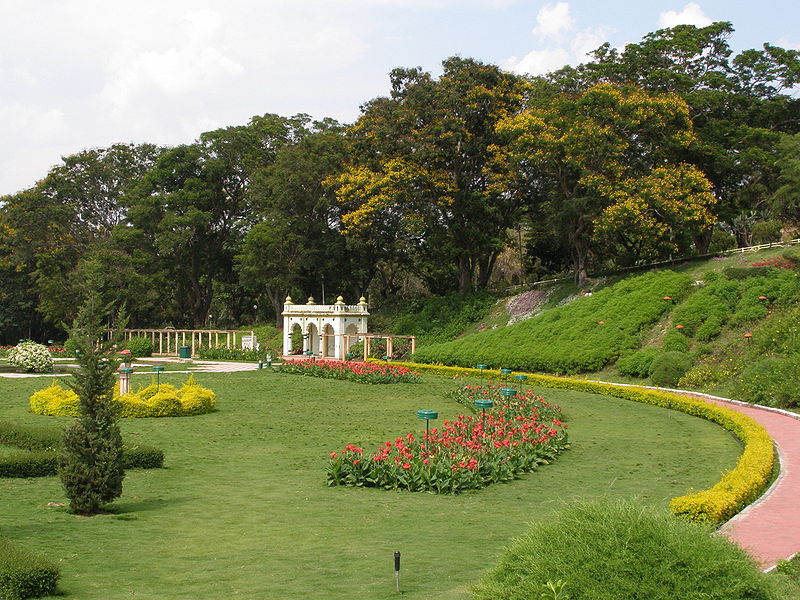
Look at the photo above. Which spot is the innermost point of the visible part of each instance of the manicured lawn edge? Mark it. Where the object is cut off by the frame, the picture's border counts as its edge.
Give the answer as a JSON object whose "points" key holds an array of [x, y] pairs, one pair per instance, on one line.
{"points": [[737, 488], [39, 451]]}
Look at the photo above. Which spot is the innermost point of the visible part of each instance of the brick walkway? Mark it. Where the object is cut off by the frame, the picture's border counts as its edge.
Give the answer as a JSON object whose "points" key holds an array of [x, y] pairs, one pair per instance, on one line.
{"points": [[770, 528]]}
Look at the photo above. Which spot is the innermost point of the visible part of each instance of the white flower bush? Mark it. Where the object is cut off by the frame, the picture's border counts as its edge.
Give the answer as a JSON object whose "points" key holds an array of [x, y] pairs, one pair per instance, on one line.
{"points": [[31, 357]]}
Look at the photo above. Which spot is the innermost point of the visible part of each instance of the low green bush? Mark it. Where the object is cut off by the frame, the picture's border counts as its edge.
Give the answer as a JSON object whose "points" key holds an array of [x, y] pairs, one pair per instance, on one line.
{"points": [[24, 574], [638, 363], [38, 448], [675, 341], [139, 346], [613, 550], [669, 367], [223, 353], [771, 382]]}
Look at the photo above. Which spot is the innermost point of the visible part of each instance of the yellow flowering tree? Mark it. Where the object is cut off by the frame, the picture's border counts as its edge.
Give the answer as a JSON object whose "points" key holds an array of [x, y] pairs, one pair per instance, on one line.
{"points": [[419, 181], [606, 162]]}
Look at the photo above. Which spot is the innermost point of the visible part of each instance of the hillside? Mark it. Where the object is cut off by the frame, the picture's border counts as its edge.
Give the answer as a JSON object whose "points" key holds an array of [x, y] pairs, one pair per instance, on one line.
{"points": [[725, 325]]}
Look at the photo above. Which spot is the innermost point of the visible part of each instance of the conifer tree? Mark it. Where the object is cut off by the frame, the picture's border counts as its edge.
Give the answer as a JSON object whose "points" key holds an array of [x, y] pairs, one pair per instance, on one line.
{"points": [[91, 463]]}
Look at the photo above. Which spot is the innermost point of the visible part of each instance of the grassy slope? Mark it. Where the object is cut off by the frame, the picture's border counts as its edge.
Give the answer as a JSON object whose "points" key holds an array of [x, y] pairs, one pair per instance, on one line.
{"points": [[530, 344], [241, 511]]}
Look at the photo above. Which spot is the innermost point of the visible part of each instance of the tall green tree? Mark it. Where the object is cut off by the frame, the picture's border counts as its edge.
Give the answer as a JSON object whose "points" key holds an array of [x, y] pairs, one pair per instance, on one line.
{"points": [[607, 154], [91, 467], [737, 104], [418, 179], [48, 230], [193, 208]]}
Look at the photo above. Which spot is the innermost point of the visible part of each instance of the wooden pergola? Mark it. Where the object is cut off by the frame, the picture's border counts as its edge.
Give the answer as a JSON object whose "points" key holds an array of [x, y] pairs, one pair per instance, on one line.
{"points": [[169, 341], [350, 338]]}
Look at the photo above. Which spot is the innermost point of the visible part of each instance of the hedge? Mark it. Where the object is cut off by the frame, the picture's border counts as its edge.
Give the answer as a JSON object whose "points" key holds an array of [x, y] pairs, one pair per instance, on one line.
{"points": [[737, 488], [24, 574], [155, 400], [39, 450]]}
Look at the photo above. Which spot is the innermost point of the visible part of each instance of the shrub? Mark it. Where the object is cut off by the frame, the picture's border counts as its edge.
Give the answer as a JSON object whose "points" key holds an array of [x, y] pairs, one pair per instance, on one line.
{"points": [[669, 367], [31, 357], [139, 346], [772, 382], [765, 232], [721, 240], [638, 363], [611, 550], [24, 574], [154, 400], [675, 341]]}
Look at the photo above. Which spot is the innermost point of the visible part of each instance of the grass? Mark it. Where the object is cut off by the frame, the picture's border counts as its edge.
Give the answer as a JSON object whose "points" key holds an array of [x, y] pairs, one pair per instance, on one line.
{"points": [[241, 511]]}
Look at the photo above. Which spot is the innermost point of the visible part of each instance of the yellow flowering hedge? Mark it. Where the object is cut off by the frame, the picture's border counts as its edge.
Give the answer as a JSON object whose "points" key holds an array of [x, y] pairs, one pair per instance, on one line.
{"points": [[162, 400], [737, 488]]}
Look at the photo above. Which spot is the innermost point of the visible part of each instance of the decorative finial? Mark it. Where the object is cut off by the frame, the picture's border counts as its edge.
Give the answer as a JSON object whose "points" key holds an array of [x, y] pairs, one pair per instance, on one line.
{"points": [[311, 300], [339, 300], [362, 301], [288, 300]]}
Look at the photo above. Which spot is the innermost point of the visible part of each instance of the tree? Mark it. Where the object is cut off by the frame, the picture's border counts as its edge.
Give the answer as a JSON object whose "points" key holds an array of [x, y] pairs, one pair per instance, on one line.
{"points": [[193, 208], [46, 231], [605, 153], [418, 179], [736, 105], [91, 468]]}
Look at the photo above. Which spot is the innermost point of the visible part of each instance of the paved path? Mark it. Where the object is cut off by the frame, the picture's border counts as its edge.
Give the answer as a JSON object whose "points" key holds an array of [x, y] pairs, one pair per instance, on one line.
{"points": [[770, 528]]}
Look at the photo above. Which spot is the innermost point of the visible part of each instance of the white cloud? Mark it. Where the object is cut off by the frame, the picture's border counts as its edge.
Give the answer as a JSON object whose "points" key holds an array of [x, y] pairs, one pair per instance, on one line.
{"points": [[553, 20], [588, 40], [539, 62], [691, 14]]}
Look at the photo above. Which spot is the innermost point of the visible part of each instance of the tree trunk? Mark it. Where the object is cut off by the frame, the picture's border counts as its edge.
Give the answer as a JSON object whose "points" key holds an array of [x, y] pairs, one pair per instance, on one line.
{"points": [[276, 298], [464, 274], [485, 270], [579, 248], [702, 240]]}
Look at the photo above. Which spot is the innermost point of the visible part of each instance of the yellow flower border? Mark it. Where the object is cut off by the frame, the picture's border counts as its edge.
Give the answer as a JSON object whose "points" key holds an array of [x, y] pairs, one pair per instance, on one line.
{"points": [[737, 488]]}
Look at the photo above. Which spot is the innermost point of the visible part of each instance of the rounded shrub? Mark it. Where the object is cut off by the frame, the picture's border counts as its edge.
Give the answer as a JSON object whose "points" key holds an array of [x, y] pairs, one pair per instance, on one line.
{"points": [[152, 401], [771, 382], [675, 341], [638, 363], [55, 401], [612, 550], [669, 367], [31, 357], [139, 346]]}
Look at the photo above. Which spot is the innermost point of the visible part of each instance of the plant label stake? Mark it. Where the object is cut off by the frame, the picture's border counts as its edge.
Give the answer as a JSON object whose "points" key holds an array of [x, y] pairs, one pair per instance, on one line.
{"points": [[397, 571]]}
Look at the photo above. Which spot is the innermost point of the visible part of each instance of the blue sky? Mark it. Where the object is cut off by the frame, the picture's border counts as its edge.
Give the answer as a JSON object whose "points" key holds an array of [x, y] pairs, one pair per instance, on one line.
{"points": [[77, 74]]}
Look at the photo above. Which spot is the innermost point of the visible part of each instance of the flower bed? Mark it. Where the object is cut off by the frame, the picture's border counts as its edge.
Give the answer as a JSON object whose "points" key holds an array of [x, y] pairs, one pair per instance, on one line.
{"points": [[470, 452], [737, 488], [162, 400], [351, 371]]}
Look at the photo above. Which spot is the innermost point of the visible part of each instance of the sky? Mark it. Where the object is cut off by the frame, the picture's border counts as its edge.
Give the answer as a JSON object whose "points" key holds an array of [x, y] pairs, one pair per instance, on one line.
{"points": [[79, 74]]}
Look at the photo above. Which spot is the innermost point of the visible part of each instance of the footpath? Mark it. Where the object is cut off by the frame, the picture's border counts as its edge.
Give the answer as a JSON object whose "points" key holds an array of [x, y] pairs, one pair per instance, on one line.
{"points": [[769, 529]]}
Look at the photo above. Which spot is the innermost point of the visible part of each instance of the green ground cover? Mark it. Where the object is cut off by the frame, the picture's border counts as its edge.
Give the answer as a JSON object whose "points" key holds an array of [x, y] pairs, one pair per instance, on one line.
{"points": [[242, 511]]}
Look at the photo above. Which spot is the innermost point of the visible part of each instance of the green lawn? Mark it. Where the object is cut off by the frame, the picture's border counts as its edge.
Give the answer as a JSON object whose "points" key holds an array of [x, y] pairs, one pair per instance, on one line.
{"points": [[241, 509]]}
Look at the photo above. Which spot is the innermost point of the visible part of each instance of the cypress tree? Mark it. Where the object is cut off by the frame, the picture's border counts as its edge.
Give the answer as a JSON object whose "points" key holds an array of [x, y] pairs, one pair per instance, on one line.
{"points": [[91, 462]]}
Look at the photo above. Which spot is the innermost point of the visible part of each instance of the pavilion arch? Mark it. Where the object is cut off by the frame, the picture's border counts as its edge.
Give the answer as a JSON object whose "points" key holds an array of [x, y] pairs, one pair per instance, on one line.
{"points": [[333, 321]]}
